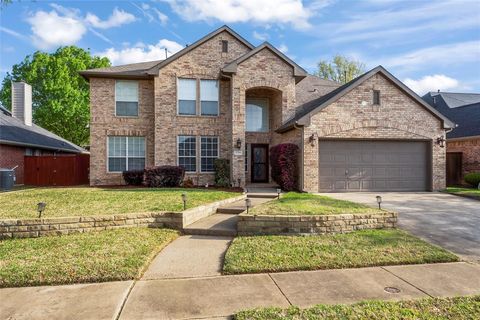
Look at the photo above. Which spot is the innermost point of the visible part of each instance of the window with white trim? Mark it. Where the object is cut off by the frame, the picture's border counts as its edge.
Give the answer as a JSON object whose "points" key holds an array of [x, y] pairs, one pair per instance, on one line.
{"points": [[256, 115], [209, 152], [126, 98], [187, 96], [126, 153], [209, 97], [187, 153]]}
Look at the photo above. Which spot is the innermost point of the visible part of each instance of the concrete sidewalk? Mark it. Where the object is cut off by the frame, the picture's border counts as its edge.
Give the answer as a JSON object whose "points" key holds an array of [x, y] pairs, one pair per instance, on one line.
{"points": [[221, 296]]}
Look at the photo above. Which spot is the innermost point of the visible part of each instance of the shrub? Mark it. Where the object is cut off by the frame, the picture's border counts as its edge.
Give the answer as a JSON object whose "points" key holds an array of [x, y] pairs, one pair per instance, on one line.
{"points": [[188, 183], [133, 177], [222, 172], [284, 163], [164, 176], [473, 179]]}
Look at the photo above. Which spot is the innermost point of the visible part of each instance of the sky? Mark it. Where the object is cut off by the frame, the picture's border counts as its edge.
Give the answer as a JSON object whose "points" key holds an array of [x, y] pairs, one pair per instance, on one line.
{"points": [[430, 45]]}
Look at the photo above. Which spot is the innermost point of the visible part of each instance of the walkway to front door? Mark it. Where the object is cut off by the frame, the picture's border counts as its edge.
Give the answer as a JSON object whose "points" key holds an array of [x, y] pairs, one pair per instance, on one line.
{"points": [[259, 163]]}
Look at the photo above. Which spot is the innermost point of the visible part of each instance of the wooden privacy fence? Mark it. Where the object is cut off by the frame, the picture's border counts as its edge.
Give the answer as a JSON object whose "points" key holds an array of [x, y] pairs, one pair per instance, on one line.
{"points": [[59, 170]]}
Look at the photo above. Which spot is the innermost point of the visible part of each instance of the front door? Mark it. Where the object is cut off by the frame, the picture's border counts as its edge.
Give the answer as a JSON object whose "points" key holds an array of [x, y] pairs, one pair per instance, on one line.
{"points": [[259, 163]]}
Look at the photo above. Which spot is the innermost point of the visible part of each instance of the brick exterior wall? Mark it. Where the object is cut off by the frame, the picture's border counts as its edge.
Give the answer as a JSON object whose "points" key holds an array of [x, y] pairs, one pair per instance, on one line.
{"points": [[470, 149], [104, 123], [397, 117], [11, 156]]}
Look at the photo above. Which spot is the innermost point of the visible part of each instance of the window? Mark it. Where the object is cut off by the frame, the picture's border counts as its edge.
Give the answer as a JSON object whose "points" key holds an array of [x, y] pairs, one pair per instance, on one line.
{"points": [[187, 96], [187, 153], [224, 46], [126, 153], [209, 152], [257, 115], [376, 97], [126, 98], [209, 97]]}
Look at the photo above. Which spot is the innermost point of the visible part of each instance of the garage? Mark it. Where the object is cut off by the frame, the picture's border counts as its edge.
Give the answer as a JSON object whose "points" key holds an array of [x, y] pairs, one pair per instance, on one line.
{"points": [[369, 165]]}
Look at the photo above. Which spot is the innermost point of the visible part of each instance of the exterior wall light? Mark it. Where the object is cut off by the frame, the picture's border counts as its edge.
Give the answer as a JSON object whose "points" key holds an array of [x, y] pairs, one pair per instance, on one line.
{"points": [[238, 143], [441, 142], [40, 208], [379, 201], [312, 139], [248, 203], [184, 199]]}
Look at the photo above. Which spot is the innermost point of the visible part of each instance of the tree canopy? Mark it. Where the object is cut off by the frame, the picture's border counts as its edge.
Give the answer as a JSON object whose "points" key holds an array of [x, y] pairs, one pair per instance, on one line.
{"points": [[60, 96], [340, 69]]}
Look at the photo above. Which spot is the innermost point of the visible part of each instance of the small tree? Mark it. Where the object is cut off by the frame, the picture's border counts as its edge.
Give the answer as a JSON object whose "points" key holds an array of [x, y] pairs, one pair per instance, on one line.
{"points": [[284, 163], [340, 69], [222, 172]]}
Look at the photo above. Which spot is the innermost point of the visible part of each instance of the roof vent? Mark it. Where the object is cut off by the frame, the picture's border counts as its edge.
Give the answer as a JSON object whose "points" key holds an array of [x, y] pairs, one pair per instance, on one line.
{"points": [[22, 102]]}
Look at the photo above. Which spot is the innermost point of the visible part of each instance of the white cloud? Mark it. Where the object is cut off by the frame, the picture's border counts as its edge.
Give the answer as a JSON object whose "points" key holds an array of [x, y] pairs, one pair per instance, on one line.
{"points": [[117, 18], [141, 52], [152, 13], [13, 33], [50, 29], [283, 48], [442, 55], [292, 12], [260, 36], [432, 83]]}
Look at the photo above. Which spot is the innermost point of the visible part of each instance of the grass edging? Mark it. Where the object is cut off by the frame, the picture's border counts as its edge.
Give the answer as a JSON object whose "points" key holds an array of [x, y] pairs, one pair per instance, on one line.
{"points": [[426, 308]]}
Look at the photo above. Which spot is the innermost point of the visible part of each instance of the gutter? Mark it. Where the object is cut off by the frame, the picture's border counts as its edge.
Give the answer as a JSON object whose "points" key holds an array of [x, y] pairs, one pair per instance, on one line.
{"points": [[20, 144]]}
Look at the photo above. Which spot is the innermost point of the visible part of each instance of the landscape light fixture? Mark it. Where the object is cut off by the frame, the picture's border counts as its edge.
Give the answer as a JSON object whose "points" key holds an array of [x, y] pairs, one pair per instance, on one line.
{"points": [[40, 208], [379, 201], [248, 203], [278, 193], [184, 199]]}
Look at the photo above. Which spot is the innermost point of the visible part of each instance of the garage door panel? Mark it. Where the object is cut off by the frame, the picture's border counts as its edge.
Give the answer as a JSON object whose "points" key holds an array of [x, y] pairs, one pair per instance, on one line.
{"points": [[373, 165]]}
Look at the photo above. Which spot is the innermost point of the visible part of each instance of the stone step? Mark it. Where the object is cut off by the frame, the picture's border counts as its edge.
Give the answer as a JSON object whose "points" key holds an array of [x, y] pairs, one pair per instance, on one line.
{"points": [[231, 210], [214, 225], [262, 195]]}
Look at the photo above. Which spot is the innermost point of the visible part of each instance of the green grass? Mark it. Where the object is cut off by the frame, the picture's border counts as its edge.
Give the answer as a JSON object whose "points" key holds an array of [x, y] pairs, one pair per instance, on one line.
{"points": [[120, 254], [469, 192], [352, 250], [459, 308], [294, 203], [85, 201]]}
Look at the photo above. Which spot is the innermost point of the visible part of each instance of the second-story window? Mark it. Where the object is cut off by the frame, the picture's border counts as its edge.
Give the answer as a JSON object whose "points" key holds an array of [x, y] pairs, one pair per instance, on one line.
{"points": [[376, 97], [187, 96], [126, 98], [209, 97], [256, 115]]}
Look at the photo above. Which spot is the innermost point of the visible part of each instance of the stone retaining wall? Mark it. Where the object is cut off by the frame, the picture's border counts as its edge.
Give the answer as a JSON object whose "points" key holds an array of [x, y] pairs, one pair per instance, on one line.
{"points": [[32, 228], [324, 224]]}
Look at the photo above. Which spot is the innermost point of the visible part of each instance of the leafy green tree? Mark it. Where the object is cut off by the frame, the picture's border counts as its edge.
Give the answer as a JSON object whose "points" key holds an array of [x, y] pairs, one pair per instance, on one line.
{"points": [[340, 69], [60, 96]]}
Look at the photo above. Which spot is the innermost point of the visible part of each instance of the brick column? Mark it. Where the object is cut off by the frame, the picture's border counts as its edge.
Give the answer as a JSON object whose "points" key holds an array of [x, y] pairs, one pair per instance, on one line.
{"points": [[237, 161]]}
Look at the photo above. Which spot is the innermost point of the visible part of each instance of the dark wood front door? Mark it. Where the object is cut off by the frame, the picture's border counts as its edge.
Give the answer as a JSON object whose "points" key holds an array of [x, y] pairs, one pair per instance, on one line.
{"points": [[259, 163], [454, 168]]}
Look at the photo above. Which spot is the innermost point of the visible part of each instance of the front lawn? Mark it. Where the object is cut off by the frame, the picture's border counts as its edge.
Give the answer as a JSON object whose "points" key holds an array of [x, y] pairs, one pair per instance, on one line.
{"points": [[352, 250], [293, 203], [85, 201], [120, 254], [424, 309], [468, 192]]}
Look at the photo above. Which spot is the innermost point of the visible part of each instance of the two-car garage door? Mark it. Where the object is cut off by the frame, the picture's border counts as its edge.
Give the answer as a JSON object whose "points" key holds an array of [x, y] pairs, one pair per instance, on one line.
{"points": [[373, 165]]}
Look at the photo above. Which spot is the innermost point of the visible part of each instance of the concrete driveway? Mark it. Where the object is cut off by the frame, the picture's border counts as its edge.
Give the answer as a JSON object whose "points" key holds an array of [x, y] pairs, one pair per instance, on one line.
{"points": [[449, 221]]}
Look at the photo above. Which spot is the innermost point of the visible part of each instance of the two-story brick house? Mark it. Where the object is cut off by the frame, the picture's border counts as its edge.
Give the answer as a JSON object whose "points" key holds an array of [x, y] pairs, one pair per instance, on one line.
{"points": [[223, 97]]}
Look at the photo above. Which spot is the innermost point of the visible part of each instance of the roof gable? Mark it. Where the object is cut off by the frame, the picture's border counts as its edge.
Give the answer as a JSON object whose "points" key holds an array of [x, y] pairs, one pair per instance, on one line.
{"points": [[314, 106], [154, 70], [298, 71]]}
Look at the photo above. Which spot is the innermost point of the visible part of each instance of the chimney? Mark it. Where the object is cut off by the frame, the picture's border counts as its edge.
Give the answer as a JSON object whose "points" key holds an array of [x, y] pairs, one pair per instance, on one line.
{"points": [[22, 102]]}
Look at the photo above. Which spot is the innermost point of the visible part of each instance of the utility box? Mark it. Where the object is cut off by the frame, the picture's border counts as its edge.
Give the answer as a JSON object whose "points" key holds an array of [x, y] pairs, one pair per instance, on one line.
{"points": [[7, 179]]}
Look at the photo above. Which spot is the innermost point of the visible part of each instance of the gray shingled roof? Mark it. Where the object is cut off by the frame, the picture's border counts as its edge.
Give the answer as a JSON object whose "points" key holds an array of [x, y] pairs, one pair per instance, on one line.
{"points": [[461, 108], [318, 104], [127, 70], [313, 87], [14, 132]]}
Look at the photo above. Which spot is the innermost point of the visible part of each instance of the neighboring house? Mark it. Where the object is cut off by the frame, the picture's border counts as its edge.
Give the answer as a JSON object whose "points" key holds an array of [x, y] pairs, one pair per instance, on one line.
{"points": [[19, 136], [223, 97], [463, 142]]}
